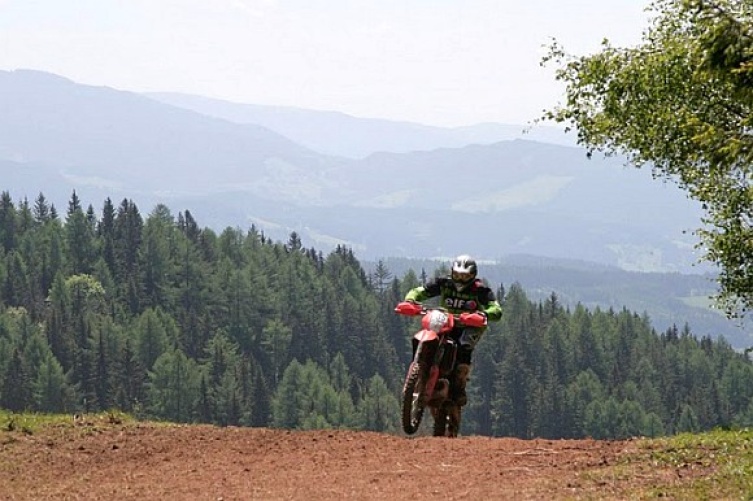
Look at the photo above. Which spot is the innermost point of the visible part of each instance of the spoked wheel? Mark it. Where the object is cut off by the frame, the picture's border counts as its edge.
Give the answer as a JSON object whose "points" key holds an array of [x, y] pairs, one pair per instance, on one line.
{"points": [[413, 400]]}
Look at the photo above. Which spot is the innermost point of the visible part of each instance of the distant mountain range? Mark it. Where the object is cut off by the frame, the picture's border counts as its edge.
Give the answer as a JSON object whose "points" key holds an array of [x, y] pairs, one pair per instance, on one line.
{"points": [[322, 175], [338, 134]]}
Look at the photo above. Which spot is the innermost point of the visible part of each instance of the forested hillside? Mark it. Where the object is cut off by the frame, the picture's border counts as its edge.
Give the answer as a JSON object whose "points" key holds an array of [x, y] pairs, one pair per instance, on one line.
{"points": [[155, 315]]}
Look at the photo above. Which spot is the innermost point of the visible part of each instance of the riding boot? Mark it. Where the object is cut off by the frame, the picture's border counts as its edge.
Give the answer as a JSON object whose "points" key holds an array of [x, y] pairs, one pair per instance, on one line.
{"points": [[440, 393], [461, 373]]}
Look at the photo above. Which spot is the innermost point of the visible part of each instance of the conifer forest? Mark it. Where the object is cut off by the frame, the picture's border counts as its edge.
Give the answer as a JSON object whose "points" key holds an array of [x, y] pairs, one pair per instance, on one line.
{"points": [[155, 315]]}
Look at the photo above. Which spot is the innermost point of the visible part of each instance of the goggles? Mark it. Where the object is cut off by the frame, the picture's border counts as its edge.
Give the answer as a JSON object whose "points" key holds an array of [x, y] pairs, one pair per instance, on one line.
{"points": [[462, 276]]}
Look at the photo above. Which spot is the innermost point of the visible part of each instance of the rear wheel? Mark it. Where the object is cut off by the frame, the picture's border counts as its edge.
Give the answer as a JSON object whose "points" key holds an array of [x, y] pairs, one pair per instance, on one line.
{"points": [[413, 399]]}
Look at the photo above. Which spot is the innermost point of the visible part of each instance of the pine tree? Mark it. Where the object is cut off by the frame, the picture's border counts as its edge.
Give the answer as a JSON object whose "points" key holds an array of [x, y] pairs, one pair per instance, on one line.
{"points": [[8, 222], [59, 323], [275, 341], [129, 380], [51, 390], [381, 277], [155, 263], [261, 411], [151, 338], [16, 290], [126, 241], [15, 387], [223, 388], [288, 399], [103, 378], [294, 243], [173, 387], [106, 235], [379, 408], [79, 233], [191, 296], [41, 210]]}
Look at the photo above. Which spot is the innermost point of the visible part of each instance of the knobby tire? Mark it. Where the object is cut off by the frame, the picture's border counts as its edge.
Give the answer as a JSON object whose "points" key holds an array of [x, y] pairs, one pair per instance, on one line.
{"points": [[413, 409]]}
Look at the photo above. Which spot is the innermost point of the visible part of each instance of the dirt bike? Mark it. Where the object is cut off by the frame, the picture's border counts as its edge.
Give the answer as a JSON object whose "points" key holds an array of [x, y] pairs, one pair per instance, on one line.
{"points": [[427, 382]]}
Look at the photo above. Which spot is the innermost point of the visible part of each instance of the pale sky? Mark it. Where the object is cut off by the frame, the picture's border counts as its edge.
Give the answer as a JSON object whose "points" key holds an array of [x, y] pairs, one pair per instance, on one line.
{"points": [[436, 62]]}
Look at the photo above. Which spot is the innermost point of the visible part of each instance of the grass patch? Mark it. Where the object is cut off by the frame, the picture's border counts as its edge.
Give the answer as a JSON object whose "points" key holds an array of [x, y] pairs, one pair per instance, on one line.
{"points": [[31, 422], [712, 465]]}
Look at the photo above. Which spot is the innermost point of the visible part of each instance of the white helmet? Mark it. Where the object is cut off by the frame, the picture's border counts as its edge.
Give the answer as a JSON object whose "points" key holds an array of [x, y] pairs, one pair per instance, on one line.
{"points": [[464, 271]]}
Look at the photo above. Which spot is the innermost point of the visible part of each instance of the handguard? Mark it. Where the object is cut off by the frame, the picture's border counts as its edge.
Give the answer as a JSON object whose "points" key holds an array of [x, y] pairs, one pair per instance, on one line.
{"points": [[474, 319], [409, 308]]}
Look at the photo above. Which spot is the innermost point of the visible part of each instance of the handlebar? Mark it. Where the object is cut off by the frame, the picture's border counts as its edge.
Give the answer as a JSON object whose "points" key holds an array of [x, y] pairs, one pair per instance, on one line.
{"points": [[470, 319]]}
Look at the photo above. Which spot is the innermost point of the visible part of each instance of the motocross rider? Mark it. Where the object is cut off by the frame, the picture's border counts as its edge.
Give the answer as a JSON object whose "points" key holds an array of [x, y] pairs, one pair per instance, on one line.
{"points": [[461, 292]]}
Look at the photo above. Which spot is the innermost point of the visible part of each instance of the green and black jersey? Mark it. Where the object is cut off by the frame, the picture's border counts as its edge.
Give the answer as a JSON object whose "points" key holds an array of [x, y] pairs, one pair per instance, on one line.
{"points": [[476, 297]]}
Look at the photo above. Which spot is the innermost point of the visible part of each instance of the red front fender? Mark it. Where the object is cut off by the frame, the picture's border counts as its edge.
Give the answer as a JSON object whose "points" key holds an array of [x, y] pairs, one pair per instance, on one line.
{"points": [[425, 335]]}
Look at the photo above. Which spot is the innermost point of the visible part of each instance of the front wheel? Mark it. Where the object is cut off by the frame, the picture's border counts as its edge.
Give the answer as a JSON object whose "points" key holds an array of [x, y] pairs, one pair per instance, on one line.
{"points": [[413, 399]]}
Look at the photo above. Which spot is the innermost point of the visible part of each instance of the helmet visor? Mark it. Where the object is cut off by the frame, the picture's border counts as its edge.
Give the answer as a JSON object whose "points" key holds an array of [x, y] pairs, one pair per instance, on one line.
{"points": [[462, 276]]}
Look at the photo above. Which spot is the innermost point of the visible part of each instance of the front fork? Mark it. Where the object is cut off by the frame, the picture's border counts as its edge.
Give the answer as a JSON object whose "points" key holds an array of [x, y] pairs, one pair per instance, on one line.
{"points": [[428, 354]]}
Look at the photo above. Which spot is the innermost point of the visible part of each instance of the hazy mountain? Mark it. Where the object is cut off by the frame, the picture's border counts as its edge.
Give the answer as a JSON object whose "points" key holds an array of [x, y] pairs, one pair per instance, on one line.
{"points": [[125, 142], [516, 197], [339, 134], [492, 200]]}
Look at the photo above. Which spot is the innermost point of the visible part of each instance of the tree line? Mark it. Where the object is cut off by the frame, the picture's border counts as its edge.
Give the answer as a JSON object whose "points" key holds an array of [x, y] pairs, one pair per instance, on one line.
{"points": [[164, 319]]}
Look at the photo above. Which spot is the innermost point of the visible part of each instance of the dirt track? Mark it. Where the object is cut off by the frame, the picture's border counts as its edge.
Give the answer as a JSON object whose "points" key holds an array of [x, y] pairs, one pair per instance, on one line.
{"points": [[145, 461]]}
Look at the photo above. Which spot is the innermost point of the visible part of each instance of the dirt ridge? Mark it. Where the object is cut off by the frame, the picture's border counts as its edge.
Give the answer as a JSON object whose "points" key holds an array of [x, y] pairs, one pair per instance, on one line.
{"points": [[152, 461]]}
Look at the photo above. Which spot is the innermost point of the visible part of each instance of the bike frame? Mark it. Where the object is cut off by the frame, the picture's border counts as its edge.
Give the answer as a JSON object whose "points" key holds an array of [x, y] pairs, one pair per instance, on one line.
{"points": [[434, 334]]}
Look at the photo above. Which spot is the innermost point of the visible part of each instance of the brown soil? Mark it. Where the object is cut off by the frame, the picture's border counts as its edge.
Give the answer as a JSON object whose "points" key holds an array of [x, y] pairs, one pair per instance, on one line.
{"points": [[115, 461]]}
